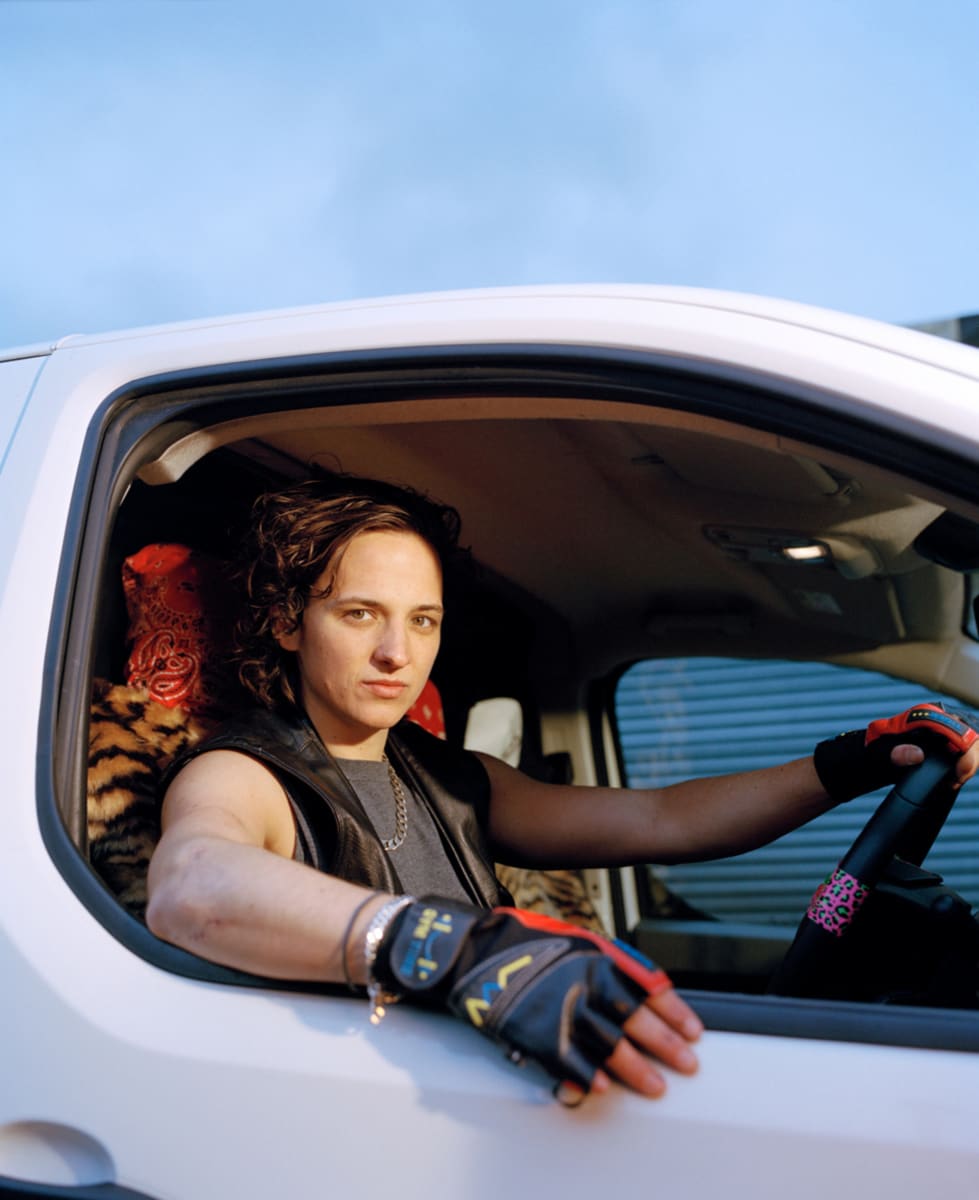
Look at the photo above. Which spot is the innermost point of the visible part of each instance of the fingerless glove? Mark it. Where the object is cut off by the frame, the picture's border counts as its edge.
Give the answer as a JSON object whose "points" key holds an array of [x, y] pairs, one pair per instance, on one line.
{"points": [[858, 762], [543, 989]]}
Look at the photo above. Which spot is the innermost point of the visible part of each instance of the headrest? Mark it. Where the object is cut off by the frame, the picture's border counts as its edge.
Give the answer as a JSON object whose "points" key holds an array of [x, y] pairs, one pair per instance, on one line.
{"points": [[182, 611]]}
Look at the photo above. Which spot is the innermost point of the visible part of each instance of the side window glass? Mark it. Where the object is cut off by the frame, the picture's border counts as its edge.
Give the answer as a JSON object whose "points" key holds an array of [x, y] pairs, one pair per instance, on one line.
{"points": [[686, 718]]}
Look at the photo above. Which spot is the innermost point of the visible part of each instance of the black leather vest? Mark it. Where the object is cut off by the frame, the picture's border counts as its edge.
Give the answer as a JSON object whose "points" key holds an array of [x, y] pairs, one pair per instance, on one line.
{"points": [[334, 832]]}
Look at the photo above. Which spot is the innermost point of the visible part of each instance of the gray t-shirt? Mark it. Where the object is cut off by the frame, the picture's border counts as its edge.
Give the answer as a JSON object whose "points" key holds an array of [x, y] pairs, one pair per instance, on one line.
{"points": [[420, 861]]}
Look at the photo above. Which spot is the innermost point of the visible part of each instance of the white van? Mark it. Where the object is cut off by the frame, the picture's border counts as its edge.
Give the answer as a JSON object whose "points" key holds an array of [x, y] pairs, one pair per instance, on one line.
{"points": [[655, 482]]}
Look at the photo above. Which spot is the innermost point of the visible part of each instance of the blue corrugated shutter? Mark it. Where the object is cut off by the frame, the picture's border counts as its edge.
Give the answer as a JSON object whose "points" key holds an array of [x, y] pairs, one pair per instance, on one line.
{"points": [[683, 718]]}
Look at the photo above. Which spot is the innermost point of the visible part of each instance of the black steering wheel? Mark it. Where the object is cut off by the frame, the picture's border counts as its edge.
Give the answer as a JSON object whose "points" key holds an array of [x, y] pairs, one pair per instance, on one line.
{"points": [[911, 814]]}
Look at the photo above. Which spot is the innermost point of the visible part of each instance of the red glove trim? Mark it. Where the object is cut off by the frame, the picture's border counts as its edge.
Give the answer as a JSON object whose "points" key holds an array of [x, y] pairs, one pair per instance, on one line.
{"points": [[654, 979], [928, 717]]}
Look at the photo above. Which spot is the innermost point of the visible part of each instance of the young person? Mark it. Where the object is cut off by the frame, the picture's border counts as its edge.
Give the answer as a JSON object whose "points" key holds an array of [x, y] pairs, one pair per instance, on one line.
{"points": [[296, 840]]}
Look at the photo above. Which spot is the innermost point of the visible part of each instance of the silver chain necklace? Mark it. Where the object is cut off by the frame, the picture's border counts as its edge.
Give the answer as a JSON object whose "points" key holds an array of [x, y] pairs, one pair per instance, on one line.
{"points": [[400, 809]]}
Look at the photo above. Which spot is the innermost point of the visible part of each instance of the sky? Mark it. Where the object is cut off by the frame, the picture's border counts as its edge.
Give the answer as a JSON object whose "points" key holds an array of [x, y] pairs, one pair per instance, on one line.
{"points": [[170, 159]]}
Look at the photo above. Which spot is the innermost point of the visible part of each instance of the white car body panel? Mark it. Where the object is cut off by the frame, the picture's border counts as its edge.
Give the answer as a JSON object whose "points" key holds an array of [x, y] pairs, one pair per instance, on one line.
{"points": [[197, 1090], [16, 377]]}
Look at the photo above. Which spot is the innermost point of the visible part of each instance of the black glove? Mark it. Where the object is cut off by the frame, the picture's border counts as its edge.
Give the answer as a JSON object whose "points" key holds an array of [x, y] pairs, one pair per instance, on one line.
{"points": [[545, 990], [858, 762]]}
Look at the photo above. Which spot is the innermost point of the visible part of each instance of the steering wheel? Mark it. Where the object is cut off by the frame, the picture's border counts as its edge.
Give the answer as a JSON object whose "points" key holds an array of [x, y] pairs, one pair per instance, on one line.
{"points": [[916, 804]]}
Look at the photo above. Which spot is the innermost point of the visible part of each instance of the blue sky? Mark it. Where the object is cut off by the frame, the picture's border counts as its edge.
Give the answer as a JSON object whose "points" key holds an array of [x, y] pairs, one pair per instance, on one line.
{"points": [[170, 159]]}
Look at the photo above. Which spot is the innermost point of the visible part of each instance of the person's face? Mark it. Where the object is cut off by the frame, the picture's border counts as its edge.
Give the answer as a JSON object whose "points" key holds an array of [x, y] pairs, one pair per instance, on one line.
{"points": [[365, 651]]}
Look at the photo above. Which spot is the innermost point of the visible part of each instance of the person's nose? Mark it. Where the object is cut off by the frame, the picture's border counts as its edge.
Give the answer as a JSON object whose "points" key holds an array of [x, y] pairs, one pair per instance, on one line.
{"points": [[392, 650]]}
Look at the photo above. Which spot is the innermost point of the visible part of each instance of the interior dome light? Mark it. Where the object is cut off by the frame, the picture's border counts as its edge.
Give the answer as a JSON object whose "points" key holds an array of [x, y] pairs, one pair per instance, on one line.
{"points": [[811, 552]]}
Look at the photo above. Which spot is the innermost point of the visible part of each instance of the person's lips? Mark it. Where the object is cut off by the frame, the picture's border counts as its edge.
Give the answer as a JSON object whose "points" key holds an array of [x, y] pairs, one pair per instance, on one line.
{"points": [[386, 689]]}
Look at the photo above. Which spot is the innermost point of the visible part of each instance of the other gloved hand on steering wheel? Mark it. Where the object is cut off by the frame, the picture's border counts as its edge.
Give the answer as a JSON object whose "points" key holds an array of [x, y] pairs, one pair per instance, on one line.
{"points": [[861, 761], [545, 990]]}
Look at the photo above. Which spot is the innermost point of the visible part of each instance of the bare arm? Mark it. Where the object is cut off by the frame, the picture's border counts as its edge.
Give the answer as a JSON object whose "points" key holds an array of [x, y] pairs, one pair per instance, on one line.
{"points": [[223, 885], [550, 825]]}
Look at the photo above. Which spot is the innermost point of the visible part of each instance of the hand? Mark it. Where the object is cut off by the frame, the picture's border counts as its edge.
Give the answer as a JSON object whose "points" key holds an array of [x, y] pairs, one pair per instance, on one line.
{"points": [[908, 755], [571, 1000], [866, 759], [662, 1028]]}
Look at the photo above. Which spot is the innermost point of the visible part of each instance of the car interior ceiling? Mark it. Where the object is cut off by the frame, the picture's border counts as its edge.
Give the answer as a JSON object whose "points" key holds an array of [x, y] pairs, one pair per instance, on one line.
{"points": [[617, 539]]}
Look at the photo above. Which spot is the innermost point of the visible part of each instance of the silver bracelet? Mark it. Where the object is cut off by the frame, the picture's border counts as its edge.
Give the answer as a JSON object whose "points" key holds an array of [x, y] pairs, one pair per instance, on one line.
{"points": [[346, 939], [377, 997]]}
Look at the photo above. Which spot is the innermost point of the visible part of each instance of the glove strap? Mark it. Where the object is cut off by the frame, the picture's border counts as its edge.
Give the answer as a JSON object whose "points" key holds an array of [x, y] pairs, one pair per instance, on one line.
{"points": [[847, 767], [422, 945]]}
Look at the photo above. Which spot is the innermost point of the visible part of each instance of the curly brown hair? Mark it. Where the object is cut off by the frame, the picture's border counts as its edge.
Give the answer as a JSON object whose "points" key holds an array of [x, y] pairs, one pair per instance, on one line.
{"points": [[297, 534]]}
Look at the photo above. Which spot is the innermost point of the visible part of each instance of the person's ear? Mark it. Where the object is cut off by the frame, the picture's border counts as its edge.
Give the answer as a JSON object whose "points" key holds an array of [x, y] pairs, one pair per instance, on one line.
{"points": [[286, 633]]}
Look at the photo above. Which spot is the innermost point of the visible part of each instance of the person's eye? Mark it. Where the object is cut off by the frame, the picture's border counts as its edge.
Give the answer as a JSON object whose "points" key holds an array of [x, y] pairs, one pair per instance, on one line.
{"points": [[426, 622], [358, 615]]}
